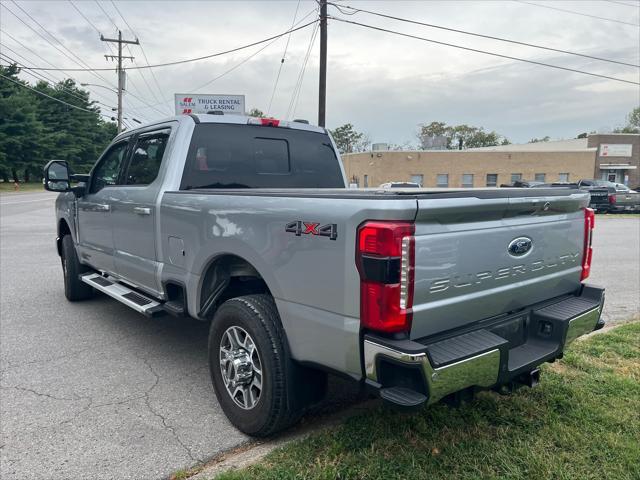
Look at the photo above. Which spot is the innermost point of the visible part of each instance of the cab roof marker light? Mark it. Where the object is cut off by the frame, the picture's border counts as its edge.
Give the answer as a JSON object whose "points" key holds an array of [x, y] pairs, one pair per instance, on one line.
{"points": [[266, 122]]}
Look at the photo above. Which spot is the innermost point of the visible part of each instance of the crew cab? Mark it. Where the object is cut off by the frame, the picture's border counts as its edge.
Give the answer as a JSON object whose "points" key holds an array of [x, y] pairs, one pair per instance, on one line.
{"points": [[417, 294]]}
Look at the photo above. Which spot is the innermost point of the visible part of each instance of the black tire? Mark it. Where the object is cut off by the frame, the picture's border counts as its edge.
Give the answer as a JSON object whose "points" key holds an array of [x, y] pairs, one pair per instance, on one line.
{"points": [[278, 404], [74, 288]]}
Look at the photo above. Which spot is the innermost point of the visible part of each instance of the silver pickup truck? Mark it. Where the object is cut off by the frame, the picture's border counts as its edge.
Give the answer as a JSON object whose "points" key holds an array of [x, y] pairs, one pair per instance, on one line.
{"points": [[418, 294]]}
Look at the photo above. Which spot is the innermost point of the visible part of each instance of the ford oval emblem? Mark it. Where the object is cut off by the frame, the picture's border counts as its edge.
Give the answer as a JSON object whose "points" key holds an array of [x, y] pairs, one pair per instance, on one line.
{"points": [[520, 246]]}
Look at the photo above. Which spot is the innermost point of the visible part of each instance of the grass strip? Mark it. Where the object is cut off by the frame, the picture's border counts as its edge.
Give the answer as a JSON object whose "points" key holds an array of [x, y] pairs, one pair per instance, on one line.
{"points": [[582, 421]]}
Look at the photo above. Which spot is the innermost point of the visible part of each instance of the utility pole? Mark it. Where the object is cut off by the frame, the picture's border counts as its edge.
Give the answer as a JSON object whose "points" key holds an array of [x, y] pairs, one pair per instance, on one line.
{"points": [[322, 90], [120, 71]]}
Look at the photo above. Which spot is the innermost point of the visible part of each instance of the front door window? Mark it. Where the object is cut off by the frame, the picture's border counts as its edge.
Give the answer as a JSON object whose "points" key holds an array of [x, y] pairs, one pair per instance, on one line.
{"points": [[108, 170]]}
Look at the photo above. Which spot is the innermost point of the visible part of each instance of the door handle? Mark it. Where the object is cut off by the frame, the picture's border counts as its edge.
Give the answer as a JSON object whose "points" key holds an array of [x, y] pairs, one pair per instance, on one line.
{"points": [[142, 210], [101, 207]]}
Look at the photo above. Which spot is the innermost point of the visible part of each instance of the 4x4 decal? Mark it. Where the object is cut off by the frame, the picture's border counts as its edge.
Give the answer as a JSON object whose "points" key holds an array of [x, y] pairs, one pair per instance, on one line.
{"points": [[312, 228]]}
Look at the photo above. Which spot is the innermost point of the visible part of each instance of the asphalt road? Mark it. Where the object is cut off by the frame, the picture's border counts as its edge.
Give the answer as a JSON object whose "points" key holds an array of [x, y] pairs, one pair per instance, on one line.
{"points": [[95, 390]]}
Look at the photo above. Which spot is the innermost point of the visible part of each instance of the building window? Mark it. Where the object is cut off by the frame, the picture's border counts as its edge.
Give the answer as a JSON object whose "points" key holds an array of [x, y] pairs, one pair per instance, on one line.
{"points": [[419, 179], [540, 177], [492, 179], [467, 180], [442, 180], [366, 181], [516, 177], [563, 177]]}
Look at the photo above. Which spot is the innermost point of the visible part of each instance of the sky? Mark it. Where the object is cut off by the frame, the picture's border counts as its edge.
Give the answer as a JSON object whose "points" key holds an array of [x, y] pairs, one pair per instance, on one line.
{"points": [[385, 85]]}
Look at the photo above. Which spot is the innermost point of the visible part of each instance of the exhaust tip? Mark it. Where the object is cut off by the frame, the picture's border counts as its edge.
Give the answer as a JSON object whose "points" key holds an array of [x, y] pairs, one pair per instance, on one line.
{"points": [[531, 379]]}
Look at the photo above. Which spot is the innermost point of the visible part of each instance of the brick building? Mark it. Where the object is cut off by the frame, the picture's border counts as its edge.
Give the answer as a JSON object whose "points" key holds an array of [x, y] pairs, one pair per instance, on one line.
{"points": [[563, 161]]}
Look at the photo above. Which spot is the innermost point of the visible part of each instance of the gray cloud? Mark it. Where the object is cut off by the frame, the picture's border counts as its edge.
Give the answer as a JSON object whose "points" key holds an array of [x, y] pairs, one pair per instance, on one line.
{"points": [[383, 84]]}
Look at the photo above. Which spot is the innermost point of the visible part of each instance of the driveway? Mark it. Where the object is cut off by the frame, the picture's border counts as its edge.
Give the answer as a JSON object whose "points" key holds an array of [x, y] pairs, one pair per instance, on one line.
{"points": [[94, 390]]}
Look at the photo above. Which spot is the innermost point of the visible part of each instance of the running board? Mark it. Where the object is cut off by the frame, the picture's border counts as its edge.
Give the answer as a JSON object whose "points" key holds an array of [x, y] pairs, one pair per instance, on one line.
{"points": [[132, 299]]}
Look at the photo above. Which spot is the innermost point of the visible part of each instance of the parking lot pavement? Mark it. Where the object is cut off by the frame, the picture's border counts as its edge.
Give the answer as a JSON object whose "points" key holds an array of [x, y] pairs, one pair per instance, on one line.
{"points": [[94, 390], [616, 265]]}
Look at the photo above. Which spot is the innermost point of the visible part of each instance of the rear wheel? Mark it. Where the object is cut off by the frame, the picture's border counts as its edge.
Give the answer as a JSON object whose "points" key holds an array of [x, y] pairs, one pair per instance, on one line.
{"points": [[251, 369], [74, 288]]}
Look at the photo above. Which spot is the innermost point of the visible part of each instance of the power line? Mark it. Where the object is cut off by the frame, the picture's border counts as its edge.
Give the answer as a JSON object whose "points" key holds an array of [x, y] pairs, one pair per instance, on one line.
{"points": [[358, 10], [111, 50], [237, 65], [139, 97], [108, 46], [189, 60], [87, 19], [469, 49], [623, 3], [52, 98], [242, 62], [578, 13], [45, 60], [298, 85], [106, 14], [284, 54], [144, 54], [46, 40], [52, 81], [304, 68], [26, 70], [79, 60]]}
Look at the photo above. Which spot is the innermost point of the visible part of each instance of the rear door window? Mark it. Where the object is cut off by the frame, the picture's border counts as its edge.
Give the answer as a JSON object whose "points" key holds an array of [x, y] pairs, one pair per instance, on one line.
{"points": [[251, 156]]}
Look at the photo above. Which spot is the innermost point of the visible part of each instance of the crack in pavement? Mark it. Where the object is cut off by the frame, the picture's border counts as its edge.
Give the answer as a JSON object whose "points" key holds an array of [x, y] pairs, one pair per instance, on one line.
{"points": [[41, 394], [166, 425], [94, 348]]}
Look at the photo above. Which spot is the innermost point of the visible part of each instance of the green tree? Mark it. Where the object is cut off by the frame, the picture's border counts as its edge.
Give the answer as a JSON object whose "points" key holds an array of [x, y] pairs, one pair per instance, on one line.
{"points": [[633, 118], [256, 112], [349, 140], [546, 138], [458, 137], [21, 132], [35, 128], [633, 123]]}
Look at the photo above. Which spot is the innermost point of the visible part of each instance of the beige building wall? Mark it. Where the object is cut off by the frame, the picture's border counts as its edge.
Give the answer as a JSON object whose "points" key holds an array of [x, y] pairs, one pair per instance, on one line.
{"points": [[388, 166], [618, 173]]}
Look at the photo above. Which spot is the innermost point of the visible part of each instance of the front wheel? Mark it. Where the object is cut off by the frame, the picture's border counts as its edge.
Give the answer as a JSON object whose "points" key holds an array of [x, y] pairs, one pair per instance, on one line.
{"points": [[251, 370]]}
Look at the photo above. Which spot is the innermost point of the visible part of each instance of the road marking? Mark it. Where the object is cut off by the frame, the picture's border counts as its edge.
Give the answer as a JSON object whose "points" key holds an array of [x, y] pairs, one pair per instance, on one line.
{"points": [[27, 201]]}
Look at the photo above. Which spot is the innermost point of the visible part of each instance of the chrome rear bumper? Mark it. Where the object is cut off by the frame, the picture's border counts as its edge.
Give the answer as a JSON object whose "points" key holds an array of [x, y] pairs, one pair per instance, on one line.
{"points": [[495, 360]]}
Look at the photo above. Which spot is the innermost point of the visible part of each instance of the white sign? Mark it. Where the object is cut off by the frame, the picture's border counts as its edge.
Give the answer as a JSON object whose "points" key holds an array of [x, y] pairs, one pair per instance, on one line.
{"points": [[615, 149], [187, 103]]}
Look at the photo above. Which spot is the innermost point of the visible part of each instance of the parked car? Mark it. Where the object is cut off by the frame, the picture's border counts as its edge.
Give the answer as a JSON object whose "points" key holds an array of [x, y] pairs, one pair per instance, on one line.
{"points": [[400, 185], [247, 223], [620, 197], [522, 184]]}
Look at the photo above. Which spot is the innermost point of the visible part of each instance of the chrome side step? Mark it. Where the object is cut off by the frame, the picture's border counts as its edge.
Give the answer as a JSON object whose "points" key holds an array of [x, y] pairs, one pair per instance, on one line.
{"points": [[132, 299]]}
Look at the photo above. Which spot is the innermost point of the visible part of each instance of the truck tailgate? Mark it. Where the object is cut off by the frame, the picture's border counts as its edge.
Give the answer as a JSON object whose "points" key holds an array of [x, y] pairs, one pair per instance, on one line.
{"points": [[465, 270]]}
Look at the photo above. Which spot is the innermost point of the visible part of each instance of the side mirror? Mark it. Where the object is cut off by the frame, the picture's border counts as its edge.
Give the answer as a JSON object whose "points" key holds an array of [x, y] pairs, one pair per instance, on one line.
{"points": [[56, 176]]}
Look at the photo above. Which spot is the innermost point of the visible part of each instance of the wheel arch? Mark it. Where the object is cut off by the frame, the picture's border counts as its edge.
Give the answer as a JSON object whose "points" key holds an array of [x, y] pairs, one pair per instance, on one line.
{"points": [[63, 229], [227, 275]]}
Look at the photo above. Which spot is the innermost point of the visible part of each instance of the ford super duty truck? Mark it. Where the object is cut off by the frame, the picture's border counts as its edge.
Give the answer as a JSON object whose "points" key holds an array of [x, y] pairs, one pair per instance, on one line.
{"points": [[418, 294]]}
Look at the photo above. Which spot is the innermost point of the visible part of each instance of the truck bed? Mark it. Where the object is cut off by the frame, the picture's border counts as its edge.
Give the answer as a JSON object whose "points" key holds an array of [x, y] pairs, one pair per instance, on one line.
{"points": [[314, 279]]}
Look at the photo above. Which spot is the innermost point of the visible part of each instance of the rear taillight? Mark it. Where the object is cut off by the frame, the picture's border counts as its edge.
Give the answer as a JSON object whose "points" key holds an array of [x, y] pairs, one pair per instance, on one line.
{"points": [[612, 199], [385, 260], [589, 223]]}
